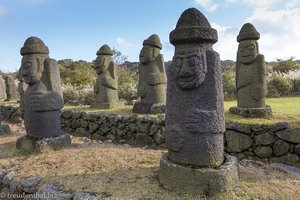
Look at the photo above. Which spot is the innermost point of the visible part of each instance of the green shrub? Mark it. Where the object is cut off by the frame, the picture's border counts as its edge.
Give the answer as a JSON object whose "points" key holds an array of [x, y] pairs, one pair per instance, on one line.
{"points": [[229, 83], [128, 81], [88, 97], [77, 73], [70, 94], [279, 86], [296, 86]]}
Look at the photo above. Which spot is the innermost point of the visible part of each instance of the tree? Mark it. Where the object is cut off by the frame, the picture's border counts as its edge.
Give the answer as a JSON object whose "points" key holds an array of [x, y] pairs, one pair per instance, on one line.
{"points": [[118, 58], [285, 66], [76, 73]]}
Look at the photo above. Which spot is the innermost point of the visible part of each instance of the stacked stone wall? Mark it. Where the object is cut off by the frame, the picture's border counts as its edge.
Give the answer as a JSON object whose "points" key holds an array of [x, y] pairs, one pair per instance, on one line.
{"points": [[274, 142]]}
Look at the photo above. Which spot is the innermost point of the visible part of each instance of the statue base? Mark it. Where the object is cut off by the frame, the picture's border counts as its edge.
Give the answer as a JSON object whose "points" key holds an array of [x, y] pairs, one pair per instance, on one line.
{"points": [[199, 181], [252, 112], [29, 144], [144, 108], [107, 105]]}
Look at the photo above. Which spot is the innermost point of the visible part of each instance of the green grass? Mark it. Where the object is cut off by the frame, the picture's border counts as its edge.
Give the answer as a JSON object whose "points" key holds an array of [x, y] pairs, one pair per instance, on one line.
{"points": [[285, 109]]}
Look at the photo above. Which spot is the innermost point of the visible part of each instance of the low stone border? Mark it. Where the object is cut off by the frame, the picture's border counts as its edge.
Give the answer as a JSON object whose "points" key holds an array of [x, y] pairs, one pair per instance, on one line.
{"points": [[273, 142], [13, 188]]}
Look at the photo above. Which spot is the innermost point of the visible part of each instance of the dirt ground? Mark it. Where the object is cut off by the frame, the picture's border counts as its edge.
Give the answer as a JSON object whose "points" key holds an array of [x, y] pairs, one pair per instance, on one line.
{"points": [[123, 172]]}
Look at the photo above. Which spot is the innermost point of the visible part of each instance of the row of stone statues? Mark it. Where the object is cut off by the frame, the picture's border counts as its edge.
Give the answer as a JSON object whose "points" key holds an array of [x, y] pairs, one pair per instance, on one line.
{"points": [[250, 77], [195, 162], [8, 88]]}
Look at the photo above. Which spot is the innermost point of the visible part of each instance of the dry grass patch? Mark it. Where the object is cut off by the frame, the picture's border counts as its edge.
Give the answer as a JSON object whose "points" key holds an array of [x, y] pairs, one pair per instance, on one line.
{"points": [[120, 172]]}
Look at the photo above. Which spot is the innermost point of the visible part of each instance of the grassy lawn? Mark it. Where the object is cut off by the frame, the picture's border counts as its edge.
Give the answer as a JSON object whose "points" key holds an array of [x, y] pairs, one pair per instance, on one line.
{"points": [[286, 109]]}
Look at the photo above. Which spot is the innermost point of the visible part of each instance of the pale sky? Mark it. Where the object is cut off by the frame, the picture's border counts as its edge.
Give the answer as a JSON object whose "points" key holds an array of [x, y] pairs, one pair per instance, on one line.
{"points": [[76, 29]]}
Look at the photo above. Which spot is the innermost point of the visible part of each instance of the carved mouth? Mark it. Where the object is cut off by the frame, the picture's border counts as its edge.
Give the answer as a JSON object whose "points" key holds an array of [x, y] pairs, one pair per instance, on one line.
{"points": [[186, 79]]}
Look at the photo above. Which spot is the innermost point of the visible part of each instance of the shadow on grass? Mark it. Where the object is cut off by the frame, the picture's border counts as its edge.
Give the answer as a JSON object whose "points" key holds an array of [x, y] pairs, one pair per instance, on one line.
{"points": [[143, 183]]}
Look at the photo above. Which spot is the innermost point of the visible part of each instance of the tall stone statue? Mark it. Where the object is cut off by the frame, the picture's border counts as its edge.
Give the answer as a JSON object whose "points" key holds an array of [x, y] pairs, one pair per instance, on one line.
{"points": [[11, 88], [250, 76], [2, 89], [42, 100], [195, 162], [152, 78], [106, 87]]}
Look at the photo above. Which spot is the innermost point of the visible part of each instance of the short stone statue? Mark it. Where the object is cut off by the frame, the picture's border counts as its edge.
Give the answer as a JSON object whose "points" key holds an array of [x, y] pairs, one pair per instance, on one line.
{"points": [[195, 125], [2, 89], [106, 87], [250, 76], [42, 100], [152, 78], [11, 89]]}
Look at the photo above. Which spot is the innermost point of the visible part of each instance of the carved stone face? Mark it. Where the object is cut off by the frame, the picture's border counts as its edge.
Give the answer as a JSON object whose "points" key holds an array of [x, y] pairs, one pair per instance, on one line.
{"points": [[190, 69], [147, 54], [30, 70], [101, 63], [247, 51]]}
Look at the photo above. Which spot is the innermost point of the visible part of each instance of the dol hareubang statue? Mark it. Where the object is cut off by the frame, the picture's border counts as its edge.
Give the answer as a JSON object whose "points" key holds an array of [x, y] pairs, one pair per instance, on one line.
{"points": [[42, 99], [195, 162], [106, 87], [250, 76], [152, 78]]}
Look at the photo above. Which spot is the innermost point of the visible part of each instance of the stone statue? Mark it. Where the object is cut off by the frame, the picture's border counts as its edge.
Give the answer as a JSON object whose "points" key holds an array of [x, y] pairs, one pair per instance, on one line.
{"points": [[21, 89], [195, 125], [152, 78], [43, 98], [11, 89], [2, 89], [106, 87], [250, 76]]}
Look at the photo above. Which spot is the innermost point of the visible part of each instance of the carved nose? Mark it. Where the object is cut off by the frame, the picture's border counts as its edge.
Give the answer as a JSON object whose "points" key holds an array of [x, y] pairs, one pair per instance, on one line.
{"points": [[185, 69]]}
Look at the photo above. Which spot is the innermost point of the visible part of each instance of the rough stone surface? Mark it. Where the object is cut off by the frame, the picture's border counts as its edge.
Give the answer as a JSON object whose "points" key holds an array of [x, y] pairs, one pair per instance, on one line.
{"points": [[11, 88], [5, 129], [29, 144], [43, 97], [51, 192], [152, 78], [280, 147], [297, 149], [106, 87], [202, 181], [287, 159], [250, 76], [264, 139], [8, 178], [290, 136], [287, 168], [2, 89], [242, 128], [264, 151], [29, 185], [252, 112], [237, 142], [195, 114], [194, 119]]}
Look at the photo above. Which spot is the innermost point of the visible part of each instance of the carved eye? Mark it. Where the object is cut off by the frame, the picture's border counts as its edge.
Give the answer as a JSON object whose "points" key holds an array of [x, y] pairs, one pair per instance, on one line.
{"points": [[192, 61], [27, 65]]}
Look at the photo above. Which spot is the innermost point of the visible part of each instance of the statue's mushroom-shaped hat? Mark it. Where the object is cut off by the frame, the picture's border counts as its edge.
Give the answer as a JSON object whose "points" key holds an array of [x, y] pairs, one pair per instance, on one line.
{"points": [[34, 45], [248, 32], [193, 27], [154, 41], [105, 50]]}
